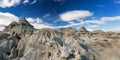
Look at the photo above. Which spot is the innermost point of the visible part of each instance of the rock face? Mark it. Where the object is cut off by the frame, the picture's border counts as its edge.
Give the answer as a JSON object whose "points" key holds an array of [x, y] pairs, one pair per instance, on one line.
{"points": [[21, 28], [20, 41], [82, 29]]}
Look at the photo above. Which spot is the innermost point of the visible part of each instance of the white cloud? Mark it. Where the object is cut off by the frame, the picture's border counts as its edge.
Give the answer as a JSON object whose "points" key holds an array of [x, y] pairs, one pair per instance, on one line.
{"points": [[9, 3], [40, 26], [92, 26], [34, 1], [90, 29], [38, 23], [75, 15], [26, 1], [97, 22], [102, 20], [6, 18], [80, 16], [34, 20]]}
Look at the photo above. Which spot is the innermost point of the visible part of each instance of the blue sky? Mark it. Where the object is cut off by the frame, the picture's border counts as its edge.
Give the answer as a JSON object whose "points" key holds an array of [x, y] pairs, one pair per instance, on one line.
{"points": [[93, 14]]}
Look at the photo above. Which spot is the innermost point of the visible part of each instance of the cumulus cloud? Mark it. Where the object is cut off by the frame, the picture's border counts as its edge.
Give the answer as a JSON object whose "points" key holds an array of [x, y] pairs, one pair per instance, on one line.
{"points": [[6, 18], [40, 26], [80, 15], [69, 17], [102, 20], [75, 15], [9, 3], [34, 20], [38, 23]]}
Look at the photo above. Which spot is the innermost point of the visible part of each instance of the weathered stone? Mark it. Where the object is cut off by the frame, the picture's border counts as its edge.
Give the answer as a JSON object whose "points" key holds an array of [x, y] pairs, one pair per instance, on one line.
{"points": [[20, 41], [82, 29]]}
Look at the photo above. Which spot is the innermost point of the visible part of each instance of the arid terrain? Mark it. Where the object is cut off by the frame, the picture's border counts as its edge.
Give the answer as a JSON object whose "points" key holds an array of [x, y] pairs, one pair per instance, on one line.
{"points": [[21, 41]]}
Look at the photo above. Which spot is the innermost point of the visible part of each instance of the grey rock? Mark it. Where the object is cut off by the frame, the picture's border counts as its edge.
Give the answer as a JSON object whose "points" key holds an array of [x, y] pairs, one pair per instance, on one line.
{"points": [[82, 29], [20, 41]]}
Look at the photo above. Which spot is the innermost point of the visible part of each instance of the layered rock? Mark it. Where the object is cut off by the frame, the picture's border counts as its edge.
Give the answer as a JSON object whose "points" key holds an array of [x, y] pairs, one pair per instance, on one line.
{"points": [[20, 41]]}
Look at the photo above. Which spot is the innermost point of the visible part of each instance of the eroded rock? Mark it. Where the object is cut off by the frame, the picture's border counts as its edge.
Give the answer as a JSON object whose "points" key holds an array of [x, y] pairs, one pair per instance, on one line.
{"points": [[20, 41]]}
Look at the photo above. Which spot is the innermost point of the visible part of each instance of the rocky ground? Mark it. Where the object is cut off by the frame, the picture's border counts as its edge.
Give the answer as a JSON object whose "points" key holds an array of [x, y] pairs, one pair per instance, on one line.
{"points": [[21, 41]]}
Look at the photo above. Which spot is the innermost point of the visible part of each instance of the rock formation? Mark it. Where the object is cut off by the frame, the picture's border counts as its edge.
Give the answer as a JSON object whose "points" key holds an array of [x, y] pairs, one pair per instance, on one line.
{"points": [[21, 28], [21, 41], [82, 29]]}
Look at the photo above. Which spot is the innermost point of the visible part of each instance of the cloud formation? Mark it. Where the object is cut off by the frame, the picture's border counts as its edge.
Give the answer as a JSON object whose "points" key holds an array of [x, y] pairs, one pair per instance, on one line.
{"points": [[34, 2], [26, 1], [9, 3], [80, 16], [38, 23], [102, 20], [7, 18], [75, 15]]}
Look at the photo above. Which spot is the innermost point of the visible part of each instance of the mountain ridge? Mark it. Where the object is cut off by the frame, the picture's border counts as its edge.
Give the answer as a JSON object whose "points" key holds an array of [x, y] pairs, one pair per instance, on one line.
{"points": [[21, 41]]}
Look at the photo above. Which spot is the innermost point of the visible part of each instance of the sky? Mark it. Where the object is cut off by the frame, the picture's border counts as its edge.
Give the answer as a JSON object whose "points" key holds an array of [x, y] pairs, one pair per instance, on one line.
{"points": [[92, 14]]}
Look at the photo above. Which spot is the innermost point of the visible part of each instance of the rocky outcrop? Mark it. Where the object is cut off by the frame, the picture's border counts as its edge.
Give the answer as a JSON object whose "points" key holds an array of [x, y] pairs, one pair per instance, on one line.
{"points": [[8, 45], [21, 28], [82, 29], [20, 41]]}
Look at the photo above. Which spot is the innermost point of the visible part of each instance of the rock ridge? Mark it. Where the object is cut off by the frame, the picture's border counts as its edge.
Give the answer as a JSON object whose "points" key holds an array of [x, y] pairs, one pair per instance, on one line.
{"points": [[21, 41]]}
